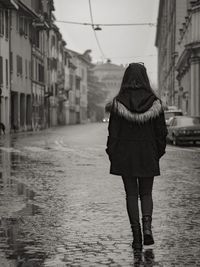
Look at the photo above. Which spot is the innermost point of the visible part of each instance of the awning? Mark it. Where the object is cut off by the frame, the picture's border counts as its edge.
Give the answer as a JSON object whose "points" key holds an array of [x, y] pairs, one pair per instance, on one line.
{"points": [[9, 4]]}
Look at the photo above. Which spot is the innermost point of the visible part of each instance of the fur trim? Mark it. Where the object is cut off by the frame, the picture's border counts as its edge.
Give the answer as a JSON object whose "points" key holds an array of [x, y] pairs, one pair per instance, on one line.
{"points": [[151, 113]]}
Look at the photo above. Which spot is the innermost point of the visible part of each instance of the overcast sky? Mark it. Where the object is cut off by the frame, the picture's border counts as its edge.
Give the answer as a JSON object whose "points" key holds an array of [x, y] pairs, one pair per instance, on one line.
{"points": [[120, 44]]}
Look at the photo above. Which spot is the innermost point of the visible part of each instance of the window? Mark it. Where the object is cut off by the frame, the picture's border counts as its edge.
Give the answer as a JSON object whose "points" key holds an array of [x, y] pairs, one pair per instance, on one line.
{"points": [[36, 5], [188, 121], [21, 21], [53, 41], [19, 65], [36, 71], [41, 73], [78, 83], [32, 69], [7, 26], [11, 18], [1, 22], [11, 62], [56, 89], [37, 43], [25, 27], [174, 122], [1, 70], [71, 81], [17, 22], [7, 72]]}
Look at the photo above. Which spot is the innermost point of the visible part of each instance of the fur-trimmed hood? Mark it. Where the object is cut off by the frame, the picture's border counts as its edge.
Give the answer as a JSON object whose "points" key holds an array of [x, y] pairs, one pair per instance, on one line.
{"points": [[118, 108]]}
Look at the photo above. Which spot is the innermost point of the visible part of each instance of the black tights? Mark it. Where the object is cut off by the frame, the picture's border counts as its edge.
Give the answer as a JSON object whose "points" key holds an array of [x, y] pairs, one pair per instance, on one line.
{"points": [[134, 188]]}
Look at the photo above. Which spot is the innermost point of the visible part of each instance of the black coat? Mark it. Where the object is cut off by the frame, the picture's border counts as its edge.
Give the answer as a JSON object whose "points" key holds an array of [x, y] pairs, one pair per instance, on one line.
{"points": [[136, 142]]}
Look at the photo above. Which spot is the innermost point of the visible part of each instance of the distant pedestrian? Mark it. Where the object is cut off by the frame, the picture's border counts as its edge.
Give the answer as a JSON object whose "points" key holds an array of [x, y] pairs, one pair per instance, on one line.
{"points": [[136, 142]]}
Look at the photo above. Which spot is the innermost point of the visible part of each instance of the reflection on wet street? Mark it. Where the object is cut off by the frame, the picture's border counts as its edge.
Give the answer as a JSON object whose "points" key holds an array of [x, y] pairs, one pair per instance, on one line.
{"points": [[60, 207], [29, 225]]}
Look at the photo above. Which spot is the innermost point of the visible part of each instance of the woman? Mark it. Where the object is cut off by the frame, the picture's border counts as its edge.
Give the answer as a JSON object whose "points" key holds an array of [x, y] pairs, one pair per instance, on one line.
{"points": [[136, 142]]}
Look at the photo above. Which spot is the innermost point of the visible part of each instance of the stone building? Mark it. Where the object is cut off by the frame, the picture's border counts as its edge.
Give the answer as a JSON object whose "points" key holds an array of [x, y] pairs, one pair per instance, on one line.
{"points": [[42, 84], [111, 76], [5, 39], [26, 29], [81, 62], [69, 114], [177, 40], [20, 67], [188, 64], [170, 17], [54, 39], [70, 89], [40, 63]]}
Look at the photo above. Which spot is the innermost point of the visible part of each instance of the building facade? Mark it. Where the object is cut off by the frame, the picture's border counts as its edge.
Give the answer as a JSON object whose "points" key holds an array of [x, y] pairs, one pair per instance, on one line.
{"points": [[54, 36], [170, 16], [111, 76], [177, 40], [42, 84], [25, 73], [81, 62], [5, 78], [20, 67], [188, 64]]}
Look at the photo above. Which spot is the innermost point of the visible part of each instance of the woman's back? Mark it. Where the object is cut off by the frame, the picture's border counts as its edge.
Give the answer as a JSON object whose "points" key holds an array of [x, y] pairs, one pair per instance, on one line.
{"points": [[136, 142], [133, 139]]}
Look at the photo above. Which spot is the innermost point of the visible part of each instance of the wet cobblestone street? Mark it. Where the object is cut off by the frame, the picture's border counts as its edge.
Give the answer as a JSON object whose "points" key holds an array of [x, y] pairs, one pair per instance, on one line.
{"points": [[60, 207]]}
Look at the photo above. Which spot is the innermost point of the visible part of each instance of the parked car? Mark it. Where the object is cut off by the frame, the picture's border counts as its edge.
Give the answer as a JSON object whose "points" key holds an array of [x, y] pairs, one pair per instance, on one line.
{"points": [[184, 129], [171, 113]]}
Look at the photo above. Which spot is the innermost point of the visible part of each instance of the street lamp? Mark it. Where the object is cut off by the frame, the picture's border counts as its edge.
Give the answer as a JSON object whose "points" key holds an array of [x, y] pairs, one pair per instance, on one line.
{"points": [[97, 28]]}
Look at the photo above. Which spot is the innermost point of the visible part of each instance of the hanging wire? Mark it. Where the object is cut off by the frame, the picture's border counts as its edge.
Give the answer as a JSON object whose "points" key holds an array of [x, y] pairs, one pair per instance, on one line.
{"points": [[135, 56], [97, 40], [107, 24]]}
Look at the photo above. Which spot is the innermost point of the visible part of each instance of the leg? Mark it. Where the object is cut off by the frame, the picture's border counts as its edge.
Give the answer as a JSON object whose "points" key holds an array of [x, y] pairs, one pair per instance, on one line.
{"points": [[145, 191], [131, 189]]}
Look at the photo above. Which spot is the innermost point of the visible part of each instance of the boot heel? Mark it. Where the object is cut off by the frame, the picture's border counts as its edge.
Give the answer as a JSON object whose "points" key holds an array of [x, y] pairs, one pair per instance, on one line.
{"points": [[148, 240], [147, 232], [137, 238]]}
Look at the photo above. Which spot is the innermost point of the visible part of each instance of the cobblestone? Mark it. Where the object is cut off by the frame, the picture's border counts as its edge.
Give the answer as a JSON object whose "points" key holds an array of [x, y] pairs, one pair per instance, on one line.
{"points": [[60, 207]]}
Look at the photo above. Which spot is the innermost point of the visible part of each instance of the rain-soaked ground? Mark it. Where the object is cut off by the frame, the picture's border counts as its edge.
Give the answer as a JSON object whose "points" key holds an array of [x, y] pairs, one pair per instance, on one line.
{"points": [[60, 207]]}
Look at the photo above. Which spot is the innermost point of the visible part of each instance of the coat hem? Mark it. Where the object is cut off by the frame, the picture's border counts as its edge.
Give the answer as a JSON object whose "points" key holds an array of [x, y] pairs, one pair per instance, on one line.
{"points": [[136, 175]]}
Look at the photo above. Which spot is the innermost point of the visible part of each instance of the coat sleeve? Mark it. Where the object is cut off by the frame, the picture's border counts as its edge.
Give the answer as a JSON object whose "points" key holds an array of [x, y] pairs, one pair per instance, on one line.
{"points": [[113, 133], [160, 134]]}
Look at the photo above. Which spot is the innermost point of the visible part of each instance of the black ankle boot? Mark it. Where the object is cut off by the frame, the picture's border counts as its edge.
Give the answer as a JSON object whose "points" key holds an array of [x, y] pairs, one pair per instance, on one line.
{"points": [[147, 233], [137, 238]]}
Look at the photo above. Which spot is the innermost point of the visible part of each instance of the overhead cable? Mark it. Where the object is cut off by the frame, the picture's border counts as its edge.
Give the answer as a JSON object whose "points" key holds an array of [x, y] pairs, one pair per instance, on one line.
{"points": [[135, 56], [97, 40], [151, 24]]}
